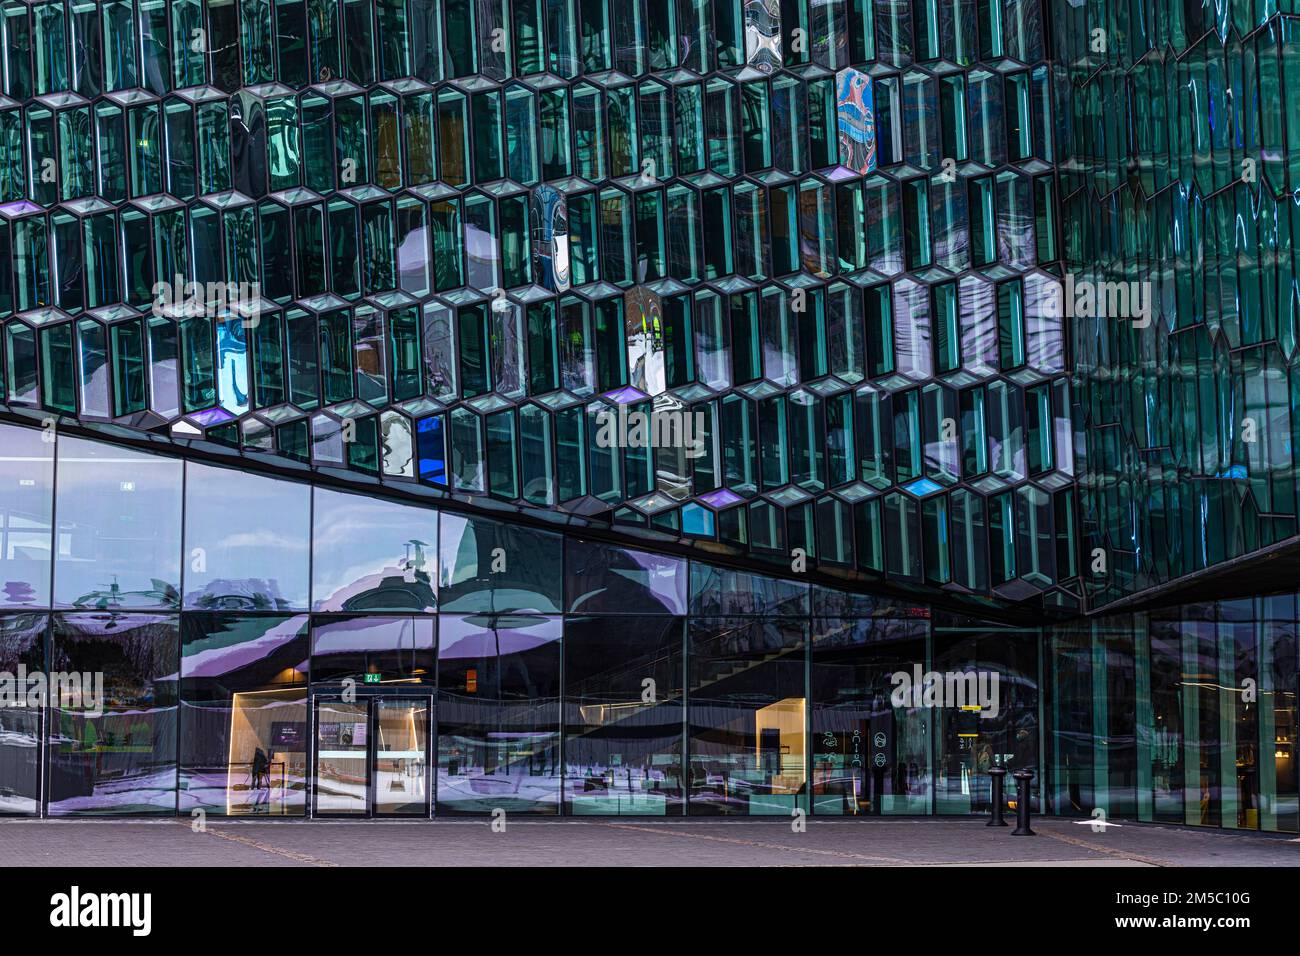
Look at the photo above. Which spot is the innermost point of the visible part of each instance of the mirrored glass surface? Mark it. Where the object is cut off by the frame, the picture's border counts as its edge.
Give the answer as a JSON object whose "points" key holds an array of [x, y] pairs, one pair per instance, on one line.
{"points": [[375, 650], [748, 701], [112, 733], [492, 567], [247, 541], [623, 710], [869, 756], [26, 512], [372, 555], [243, 714], [604, 579], [498, 714], [22, 661], [119, 528]]}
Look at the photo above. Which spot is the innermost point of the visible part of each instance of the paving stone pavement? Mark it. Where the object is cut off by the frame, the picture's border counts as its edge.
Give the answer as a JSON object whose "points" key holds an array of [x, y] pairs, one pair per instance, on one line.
{"points": [[629, 842]]}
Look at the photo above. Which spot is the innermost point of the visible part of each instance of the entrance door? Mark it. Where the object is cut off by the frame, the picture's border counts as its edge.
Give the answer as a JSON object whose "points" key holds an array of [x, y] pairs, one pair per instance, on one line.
{"points": [[372, 757], [400, 758]]}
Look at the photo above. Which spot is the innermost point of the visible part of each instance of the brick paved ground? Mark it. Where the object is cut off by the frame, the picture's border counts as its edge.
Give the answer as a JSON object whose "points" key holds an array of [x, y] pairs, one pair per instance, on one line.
{"points": [[629, 842]]}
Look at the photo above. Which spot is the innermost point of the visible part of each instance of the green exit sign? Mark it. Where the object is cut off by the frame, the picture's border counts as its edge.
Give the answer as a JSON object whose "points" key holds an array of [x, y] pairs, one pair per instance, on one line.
{"points": [[373, 678]]}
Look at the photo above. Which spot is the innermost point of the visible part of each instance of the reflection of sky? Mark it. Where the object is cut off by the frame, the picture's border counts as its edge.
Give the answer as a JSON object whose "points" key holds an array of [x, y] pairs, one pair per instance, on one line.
{"points": [[666, 578], [356, 537], [26, 480], [249, 527], [120, 513], [232, 367], [411, 254], [455, 529]]}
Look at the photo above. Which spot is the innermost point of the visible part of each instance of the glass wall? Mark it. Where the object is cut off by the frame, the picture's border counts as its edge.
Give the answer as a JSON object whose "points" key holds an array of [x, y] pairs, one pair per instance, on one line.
{"points": [[243, 732], [747, 712], [246, 541], [491, 567], [1184, 715], [377, 649], [372, 555], [624, 674], [623, 681], [114, 750], [22, 651], [556, 674], [499, 713], [26, 513], [973, 738], [1093, 694], [868, 755], [119, 528]]}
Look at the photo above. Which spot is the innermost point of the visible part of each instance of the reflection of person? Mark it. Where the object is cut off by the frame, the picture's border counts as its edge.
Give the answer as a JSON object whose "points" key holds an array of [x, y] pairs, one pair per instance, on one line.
{"points": [[1026, 752]]}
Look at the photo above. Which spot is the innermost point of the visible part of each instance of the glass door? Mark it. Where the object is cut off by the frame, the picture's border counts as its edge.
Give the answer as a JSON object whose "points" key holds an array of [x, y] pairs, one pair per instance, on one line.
{"points": [[372, 757], [401, 757], [342, 778]]}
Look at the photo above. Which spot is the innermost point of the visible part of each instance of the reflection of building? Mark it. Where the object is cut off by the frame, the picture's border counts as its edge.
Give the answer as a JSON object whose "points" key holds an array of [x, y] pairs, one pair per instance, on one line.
{"points": [[407, 586], [551, 238], [645, 341], [763, 34], [855, 112], [494, 663]]}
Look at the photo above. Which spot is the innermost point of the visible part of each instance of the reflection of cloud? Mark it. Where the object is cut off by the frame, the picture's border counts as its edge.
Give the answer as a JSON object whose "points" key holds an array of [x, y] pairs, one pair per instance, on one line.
{"points": [[410, 254], [366, 524], [374, 634], [365, 537], [263, 539]]}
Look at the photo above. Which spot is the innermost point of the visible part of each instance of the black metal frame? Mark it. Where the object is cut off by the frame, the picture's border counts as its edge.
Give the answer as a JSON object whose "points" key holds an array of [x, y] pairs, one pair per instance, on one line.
{"points": [[367, 695]]}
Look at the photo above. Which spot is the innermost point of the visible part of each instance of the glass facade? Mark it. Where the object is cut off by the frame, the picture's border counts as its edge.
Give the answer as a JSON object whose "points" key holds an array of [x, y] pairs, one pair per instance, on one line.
{"points": [[352, 655], [444, 244], [518, 669], [1181, 187], [652, 407]]}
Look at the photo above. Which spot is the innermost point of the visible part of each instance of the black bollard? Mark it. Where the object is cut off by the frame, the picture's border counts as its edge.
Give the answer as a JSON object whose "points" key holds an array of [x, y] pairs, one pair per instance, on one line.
{"points": [[1022, 803], [998, 774]]}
